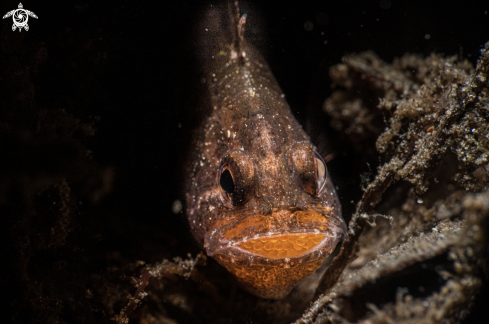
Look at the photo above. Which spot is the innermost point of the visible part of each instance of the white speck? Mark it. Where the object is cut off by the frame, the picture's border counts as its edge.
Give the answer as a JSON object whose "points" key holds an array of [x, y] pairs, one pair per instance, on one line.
{"points": [[282, 95], [419, 201], [308, 25], [229, 134], [427, 36], [176, 207], [211, 208]]}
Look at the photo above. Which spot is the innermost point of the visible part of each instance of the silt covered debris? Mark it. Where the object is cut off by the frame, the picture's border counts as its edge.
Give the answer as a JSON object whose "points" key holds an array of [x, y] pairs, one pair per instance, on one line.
{"points": [[418, 242]]}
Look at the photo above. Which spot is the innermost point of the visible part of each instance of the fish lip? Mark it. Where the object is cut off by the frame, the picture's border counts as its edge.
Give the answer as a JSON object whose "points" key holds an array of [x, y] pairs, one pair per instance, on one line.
{"points": [[233, 253], [214, 238], [228, 250]]}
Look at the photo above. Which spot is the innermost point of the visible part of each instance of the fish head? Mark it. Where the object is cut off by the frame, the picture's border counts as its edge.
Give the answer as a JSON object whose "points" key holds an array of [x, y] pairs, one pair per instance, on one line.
{"points": [[277, 217]]}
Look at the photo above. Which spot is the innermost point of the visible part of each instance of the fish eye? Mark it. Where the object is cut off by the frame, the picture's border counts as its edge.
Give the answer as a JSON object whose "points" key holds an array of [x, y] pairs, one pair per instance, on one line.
{"points": [[227, 181], [309, 166], [320, 172], [235, 177]]}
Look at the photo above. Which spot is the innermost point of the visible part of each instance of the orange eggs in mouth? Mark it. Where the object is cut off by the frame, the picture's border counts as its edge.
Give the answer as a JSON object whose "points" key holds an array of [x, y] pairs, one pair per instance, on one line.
{"points": [[283, 246]]}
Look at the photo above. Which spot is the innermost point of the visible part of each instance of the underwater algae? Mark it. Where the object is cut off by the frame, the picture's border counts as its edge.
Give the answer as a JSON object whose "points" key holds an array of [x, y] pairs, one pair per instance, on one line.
{"points": [[433, 142]]}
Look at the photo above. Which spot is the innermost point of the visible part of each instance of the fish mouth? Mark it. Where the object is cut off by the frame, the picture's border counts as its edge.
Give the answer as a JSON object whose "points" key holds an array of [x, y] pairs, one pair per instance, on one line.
{"points": [[282, 238], [269, 254]]}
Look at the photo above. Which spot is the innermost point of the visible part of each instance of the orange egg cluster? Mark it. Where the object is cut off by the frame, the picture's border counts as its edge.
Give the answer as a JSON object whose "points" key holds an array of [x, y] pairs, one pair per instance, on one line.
{"points": [[283, 246]]}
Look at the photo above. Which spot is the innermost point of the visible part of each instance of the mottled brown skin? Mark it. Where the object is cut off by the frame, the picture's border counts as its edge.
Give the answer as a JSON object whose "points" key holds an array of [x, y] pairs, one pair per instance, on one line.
{"points": [[278, 223]]}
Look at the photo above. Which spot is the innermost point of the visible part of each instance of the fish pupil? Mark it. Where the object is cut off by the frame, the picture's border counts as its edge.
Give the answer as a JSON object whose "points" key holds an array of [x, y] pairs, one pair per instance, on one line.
{"points": [[227, 182]]}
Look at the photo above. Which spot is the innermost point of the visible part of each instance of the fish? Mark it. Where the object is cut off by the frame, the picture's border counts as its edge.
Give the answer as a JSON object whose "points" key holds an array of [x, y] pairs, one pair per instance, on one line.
{"points": [[259, 197]]}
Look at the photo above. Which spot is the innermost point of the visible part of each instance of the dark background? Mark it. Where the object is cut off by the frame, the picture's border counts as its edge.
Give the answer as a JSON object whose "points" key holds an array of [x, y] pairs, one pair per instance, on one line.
{"points": [[130, 69]]}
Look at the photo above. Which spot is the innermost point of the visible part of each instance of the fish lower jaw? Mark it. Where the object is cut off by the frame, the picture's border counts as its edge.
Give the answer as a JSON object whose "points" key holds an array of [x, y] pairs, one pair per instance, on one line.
{"points": [[274, 277]]}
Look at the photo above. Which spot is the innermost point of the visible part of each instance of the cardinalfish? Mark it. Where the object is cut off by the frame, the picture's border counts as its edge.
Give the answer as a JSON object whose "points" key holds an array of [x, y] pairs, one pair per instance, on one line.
{"points": [[259, 197]]}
